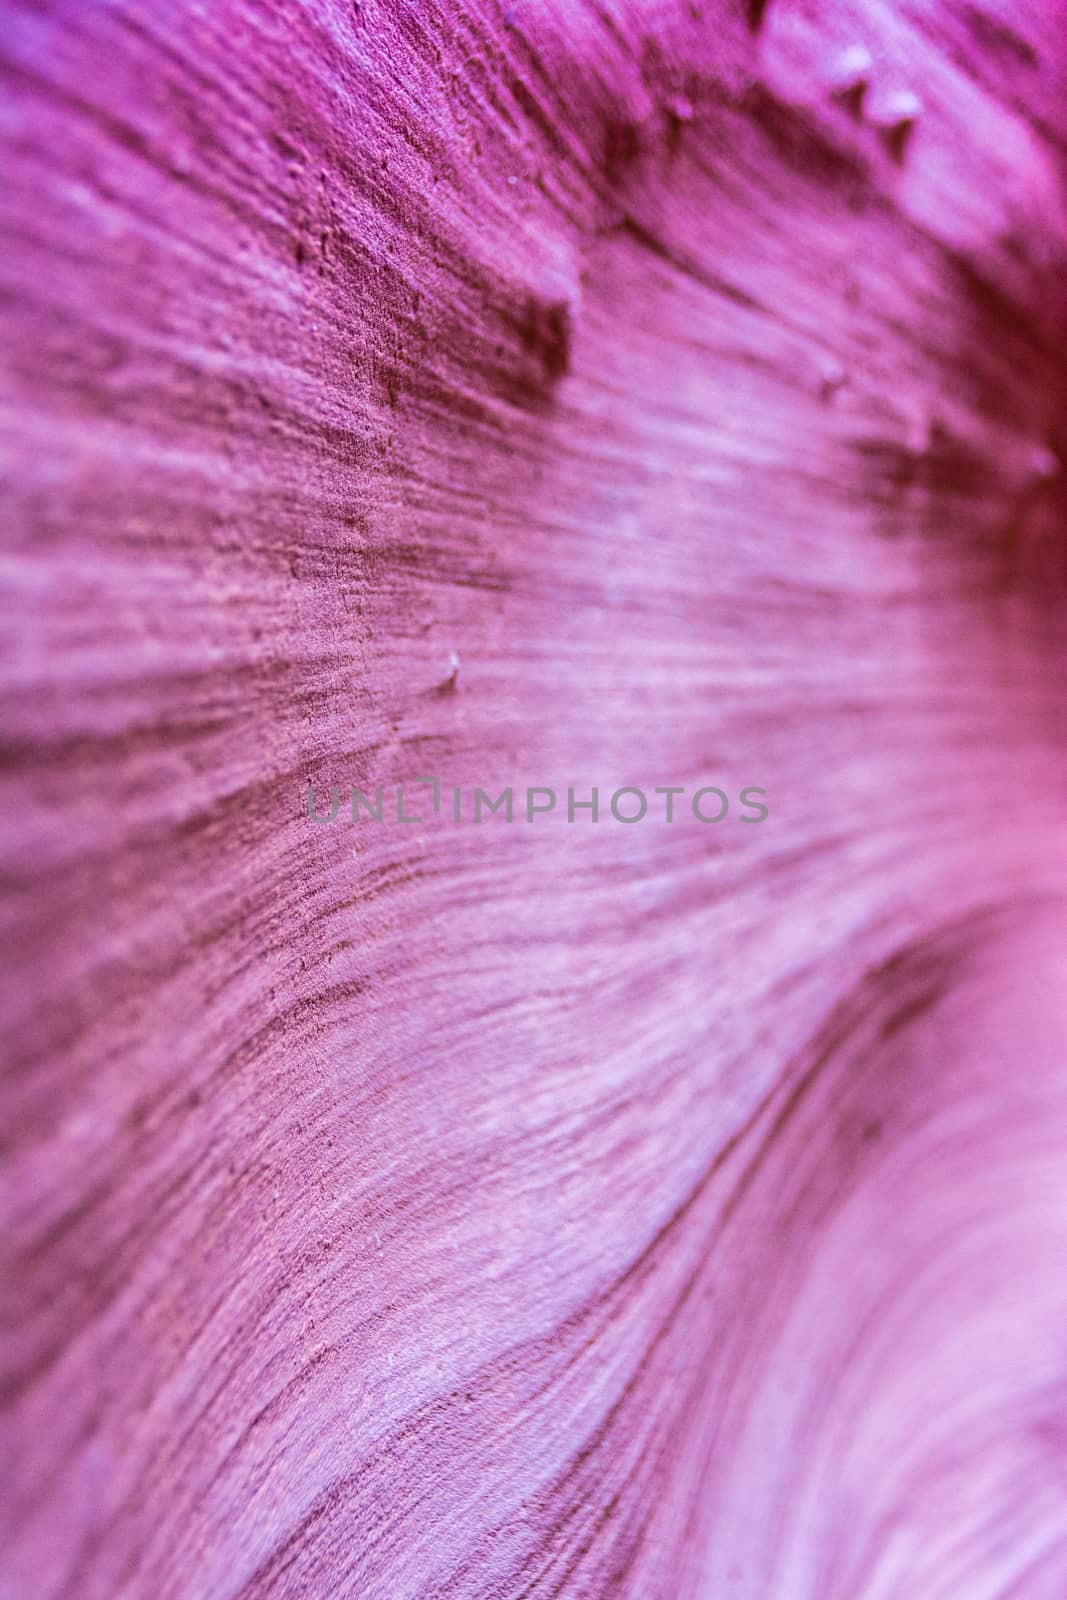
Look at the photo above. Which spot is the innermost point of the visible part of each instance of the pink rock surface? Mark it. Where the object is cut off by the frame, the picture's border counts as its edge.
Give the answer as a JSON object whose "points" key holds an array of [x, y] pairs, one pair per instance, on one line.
{"points": [[534, 395]]}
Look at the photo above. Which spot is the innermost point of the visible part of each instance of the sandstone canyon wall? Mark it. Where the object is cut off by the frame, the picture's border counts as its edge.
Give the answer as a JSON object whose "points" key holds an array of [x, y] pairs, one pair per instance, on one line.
{"points": [[571, 395]]}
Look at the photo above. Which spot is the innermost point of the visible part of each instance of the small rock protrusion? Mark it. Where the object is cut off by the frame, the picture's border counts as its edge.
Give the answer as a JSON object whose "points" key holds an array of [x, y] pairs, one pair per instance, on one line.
{"points": [[449, 684], [896, 120], [851, 78]]}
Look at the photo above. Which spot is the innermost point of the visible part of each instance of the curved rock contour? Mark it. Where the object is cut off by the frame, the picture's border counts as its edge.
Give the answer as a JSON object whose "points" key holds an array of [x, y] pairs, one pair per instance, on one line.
{"points": [[534, 397]]}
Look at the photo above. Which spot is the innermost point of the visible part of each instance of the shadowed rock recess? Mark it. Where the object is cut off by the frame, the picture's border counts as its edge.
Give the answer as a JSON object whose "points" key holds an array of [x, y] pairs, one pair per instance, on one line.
{"points": [[534, 396]]}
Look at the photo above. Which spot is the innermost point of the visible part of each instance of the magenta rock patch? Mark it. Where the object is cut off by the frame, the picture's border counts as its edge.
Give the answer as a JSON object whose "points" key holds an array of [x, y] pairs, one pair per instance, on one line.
{"points": [[534, 809]]}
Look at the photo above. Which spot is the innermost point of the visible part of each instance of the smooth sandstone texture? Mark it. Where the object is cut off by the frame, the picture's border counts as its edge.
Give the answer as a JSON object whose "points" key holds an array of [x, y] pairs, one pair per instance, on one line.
{"points": [[543, 394]]}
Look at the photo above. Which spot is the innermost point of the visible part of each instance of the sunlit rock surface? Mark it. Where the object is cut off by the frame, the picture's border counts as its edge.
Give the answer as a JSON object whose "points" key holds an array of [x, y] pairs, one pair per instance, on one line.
{"points": [[564, 396]]}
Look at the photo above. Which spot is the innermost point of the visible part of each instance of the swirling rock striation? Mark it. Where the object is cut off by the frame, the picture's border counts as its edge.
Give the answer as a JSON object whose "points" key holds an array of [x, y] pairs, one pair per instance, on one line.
{"points": [[529, 395]]}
